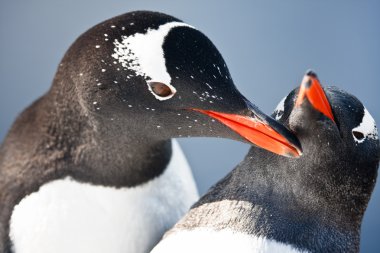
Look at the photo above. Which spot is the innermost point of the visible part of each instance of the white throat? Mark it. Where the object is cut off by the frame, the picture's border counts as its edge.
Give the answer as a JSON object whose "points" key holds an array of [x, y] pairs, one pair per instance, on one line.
{"points": [[68, 216], [203, 240], [216, 236]]}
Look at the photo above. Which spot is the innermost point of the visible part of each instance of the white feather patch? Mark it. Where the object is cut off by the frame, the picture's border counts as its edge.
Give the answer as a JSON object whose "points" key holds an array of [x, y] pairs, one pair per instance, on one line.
{"points": [[279, 111], [203, 240], [367, 127], [68, 216], [143, 53]]}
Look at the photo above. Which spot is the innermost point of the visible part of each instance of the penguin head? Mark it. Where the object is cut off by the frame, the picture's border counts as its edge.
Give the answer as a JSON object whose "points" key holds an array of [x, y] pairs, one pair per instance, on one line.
{"points": [[152, 74], [339, 139]]}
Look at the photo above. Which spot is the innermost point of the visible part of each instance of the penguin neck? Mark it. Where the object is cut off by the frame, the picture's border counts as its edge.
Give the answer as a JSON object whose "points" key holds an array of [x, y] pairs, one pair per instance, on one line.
{"points": [[111, 154], [258, 199], [55, 138], [123, 162]]}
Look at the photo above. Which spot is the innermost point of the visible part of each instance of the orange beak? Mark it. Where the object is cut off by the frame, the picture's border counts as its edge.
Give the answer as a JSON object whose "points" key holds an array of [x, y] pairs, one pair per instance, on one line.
{"points": [[311, 89], [260, 132]]}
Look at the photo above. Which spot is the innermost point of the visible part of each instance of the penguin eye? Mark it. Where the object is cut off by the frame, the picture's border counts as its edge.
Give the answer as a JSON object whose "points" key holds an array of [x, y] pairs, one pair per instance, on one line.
{"points": [[161, 90], [358, 135]]}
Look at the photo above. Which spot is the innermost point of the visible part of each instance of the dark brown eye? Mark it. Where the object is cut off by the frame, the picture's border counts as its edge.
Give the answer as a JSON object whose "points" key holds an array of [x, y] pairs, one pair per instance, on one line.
{"points": [[358, 135], [160, 89]]}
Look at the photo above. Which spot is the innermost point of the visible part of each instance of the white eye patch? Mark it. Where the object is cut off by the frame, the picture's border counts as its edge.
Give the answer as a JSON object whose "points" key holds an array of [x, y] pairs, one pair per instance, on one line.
{"points": [[143, 53], [279, 111], [367, 127]]}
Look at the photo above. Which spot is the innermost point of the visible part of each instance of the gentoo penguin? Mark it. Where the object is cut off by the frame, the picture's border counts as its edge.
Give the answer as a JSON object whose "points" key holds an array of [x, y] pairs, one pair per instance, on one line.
{"points": [[90, 166], [311, 204]]}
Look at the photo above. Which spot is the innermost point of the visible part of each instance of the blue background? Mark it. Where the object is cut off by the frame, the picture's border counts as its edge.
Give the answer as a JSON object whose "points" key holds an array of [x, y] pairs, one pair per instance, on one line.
{"points": [[267, 45]]}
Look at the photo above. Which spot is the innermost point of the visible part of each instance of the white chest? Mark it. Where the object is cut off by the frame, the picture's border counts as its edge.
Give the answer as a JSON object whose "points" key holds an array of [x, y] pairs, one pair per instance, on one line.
{"points": [[203, 240], [68, 216]]}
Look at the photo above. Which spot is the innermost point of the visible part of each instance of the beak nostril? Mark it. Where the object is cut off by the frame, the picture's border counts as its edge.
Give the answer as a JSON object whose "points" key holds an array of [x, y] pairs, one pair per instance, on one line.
{"points": [[307, 84]]}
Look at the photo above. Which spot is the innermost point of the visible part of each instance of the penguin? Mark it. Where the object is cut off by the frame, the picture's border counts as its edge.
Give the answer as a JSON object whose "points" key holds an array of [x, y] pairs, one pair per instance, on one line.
{"points": [[311, 204], [91, 166]]}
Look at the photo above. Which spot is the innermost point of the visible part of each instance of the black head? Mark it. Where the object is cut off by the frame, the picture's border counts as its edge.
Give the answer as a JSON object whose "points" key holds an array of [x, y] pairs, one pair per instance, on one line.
{"points": [[340, 143], [156, 76], [315, 202]]}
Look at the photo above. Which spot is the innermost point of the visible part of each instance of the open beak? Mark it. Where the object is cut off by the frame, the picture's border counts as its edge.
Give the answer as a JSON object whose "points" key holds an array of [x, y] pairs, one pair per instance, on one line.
{"points": [[260, 130], [312, 90]]}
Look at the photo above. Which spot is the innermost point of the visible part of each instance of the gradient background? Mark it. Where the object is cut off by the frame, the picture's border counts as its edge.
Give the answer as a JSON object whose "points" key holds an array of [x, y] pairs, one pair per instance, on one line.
{"points": [[268, 45]]}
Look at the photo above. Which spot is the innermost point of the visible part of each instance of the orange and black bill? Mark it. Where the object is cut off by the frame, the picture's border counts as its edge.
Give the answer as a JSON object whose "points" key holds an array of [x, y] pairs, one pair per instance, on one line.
{"points": [[260, 130], [312, 89]]}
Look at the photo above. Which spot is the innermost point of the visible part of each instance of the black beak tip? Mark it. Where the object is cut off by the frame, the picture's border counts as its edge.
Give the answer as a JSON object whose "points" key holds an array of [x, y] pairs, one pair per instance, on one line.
{"points": [[311, 73], [290, 136]]}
